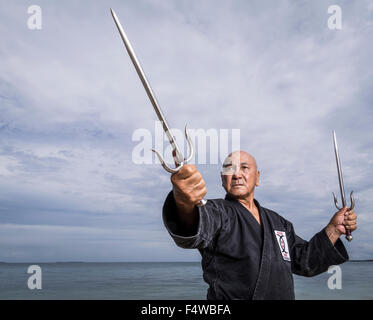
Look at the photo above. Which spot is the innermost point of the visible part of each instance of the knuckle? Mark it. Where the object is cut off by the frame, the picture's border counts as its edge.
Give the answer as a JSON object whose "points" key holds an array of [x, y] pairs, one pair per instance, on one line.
{"points": [[197, 177], [186, 171], [182, 172], [177, 176], [189, 168]]}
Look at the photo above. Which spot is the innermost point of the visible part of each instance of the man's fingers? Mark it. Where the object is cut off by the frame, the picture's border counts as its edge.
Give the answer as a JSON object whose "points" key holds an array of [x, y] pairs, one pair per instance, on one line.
{"points": [[200, 185], [198, 189], [351, 216], [343, 211], [195, 178], [190, 182], [351, 228], [196, 192], [188, 185], [186, 171], [349, 223]]}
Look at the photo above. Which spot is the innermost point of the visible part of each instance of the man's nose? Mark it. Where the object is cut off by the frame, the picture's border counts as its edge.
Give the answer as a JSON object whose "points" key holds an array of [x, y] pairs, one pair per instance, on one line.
{"points": [[236, 173]]}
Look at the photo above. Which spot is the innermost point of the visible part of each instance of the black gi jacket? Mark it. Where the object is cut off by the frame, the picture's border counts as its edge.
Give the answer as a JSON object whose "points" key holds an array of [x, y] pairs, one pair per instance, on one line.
{"points": [[244, 260]]}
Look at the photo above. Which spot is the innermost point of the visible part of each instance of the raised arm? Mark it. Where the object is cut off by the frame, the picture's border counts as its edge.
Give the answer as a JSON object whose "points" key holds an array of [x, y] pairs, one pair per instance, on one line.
{"points": [[188, 189]]}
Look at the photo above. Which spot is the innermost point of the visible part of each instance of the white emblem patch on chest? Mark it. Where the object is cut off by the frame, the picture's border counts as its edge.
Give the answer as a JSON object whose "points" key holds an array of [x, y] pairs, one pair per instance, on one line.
{"points": [[283, 243]]}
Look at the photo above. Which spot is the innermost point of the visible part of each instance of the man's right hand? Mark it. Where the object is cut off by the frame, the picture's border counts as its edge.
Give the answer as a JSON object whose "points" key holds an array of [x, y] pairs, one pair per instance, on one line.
{"points": [[188, 186], [188, 189]]}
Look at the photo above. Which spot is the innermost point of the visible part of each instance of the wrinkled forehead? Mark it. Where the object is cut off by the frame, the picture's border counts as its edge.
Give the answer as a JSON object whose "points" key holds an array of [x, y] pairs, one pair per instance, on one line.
{"points": [[238, 158]]}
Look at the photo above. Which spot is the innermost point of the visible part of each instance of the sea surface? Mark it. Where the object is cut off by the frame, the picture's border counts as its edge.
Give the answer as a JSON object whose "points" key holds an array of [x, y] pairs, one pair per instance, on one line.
{"points": [[160, 280]]}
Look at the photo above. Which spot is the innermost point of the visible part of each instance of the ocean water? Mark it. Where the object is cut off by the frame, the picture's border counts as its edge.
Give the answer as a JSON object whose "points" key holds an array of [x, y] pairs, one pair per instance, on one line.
{"points": [[162, 280]]}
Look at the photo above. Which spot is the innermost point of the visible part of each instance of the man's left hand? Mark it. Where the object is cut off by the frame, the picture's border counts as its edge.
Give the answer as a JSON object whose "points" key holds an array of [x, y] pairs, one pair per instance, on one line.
{"points": [[342, 220]]}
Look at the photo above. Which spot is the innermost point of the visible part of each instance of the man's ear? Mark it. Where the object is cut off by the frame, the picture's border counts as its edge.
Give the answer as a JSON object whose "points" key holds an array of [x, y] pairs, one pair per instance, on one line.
{"points": [[257, 178]]}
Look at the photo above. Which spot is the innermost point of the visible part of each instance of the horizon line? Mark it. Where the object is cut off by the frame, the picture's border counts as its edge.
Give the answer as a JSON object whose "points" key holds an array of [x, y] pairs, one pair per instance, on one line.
{"points": [[36, 262]]}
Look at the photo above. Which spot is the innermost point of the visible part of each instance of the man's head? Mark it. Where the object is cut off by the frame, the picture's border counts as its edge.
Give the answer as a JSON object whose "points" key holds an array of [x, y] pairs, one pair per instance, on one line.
{"points": [[240, 175]]}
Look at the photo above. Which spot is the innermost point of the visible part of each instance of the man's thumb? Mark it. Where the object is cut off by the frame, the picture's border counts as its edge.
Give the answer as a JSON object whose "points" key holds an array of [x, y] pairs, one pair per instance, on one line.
{"points": [[342, 211]]}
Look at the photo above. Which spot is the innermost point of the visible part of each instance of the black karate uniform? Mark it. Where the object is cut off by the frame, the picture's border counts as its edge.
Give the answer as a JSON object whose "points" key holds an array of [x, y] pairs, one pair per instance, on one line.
{"points": [[242, 259]]}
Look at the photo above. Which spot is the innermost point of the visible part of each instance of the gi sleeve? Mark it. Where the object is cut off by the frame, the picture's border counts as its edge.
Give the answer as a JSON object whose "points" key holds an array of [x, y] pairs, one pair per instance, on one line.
{"points": [[209, 224], [310, 258]]}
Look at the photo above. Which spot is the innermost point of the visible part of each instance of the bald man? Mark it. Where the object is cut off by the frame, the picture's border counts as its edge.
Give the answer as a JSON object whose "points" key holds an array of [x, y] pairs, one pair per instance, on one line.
{"points": [[248, 251]]}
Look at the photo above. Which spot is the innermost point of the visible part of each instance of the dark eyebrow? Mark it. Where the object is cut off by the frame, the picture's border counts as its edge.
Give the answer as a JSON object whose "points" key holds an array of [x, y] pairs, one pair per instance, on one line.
{"points": [[226, 165]]}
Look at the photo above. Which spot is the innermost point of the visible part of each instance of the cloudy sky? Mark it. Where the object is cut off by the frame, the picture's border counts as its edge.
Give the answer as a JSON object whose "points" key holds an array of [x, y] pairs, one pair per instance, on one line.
{"points": [[70, 102]]}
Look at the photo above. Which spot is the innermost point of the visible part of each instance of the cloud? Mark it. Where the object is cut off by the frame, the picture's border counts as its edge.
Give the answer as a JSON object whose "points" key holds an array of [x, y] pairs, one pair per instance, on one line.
{"points": [[70, 101]]}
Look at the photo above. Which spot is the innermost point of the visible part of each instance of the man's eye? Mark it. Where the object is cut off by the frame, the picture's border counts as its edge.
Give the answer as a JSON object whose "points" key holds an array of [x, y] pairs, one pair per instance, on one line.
{"points": [[228, 170]]}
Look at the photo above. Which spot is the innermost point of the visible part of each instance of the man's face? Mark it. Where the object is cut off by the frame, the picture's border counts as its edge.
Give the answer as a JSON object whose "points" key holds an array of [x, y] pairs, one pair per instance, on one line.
{"points": [[240, 175]]}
